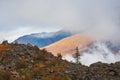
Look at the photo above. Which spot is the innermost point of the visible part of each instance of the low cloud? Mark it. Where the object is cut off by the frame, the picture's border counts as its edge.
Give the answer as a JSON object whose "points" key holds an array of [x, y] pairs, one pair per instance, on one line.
{"points": [[97, 52], [90, 58]]}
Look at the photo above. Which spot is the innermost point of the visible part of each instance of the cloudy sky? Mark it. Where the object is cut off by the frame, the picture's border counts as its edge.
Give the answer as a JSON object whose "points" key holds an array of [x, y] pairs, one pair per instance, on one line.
{"points": [[20, 17]]}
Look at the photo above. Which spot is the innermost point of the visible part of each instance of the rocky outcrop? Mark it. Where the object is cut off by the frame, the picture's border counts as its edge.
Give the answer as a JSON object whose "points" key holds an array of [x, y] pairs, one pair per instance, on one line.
{"points": [[27, 62]]}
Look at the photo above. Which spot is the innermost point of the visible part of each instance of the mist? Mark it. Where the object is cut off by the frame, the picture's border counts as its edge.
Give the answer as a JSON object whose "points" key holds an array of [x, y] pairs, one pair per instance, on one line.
{"points": [[99, 18], [99, 52], [96, 52]]}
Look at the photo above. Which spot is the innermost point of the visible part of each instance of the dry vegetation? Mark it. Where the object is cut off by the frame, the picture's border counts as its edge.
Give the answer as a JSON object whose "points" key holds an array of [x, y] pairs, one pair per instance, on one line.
{"points": [[5, 47], [26, 62]]}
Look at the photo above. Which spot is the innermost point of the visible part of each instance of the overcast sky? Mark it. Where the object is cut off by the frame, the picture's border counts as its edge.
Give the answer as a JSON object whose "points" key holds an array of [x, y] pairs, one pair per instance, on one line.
{"points": [[20, 17]]}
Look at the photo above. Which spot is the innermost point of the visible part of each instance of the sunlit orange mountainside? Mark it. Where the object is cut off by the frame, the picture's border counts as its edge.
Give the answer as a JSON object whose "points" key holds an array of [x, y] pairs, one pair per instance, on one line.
{"points": [[69, 44]]}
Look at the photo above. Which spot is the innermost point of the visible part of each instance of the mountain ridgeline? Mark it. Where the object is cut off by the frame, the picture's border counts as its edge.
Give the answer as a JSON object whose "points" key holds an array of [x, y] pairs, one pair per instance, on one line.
{"points": [[43, 39]]}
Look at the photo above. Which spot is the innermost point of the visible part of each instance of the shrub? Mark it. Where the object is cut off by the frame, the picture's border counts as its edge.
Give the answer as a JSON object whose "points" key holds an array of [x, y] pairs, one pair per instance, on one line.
{"points": [[21, 64]]}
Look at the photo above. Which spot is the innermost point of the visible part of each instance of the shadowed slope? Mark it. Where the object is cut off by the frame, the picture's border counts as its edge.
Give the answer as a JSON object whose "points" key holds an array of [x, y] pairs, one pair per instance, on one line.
{"points": [[43, 39]]}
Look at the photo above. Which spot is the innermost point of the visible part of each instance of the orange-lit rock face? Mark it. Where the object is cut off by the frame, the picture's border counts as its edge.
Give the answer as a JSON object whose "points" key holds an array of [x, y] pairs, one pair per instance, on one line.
{"points": [[69, 44], [5, 47]]}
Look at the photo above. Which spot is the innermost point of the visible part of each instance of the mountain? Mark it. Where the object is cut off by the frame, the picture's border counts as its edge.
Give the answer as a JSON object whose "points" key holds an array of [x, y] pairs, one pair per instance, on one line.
{"points": [[43, 39], [69, 44], [27, 62]]}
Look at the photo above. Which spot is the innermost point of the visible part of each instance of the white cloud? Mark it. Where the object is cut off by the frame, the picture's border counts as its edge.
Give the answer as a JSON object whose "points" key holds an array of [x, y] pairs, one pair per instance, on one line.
{"points": [[21, 31], [75, 15], [97, 52]]}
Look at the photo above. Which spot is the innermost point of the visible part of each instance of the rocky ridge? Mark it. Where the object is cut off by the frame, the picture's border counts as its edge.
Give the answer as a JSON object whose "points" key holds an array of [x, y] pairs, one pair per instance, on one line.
{"points": [[27, 62]]}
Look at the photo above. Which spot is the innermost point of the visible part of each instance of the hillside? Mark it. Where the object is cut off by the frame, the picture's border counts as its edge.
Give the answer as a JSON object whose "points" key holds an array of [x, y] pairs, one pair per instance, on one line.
{"points": [[69, 44], [43, 39], [26, 62]]}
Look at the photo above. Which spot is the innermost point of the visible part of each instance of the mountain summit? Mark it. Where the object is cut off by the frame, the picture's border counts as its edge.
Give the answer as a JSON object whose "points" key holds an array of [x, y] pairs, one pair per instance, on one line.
{"points": [[43, 39]]}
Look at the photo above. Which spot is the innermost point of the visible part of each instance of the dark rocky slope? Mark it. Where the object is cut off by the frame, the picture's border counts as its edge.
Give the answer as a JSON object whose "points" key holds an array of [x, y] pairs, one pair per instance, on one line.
{"points": [[26, 62]]}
